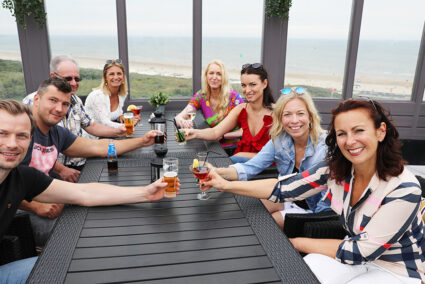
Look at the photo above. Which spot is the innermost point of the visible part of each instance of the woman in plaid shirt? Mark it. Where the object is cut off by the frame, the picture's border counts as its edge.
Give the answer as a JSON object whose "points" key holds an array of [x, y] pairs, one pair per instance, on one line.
{"points": [[367, 185]]}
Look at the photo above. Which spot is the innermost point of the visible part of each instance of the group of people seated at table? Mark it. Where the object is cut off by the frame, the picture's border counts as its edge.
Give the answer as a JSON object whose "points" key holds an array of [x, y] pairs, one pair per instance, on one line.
{"points": [[354, 169]]}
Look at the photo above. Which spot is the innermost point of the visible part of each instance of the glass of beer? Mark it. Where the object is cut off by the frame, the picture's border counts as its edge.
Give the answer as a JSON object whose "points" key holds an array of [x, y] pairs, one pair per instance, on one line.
{"points": [[129, 123], [171, 168]]}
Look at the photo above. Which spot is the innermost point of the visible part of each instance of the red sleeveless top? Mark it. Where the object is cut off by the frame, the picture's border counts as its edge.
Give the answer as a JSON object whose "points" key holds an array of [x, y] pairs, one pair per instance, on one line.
{"points": [[249, 143]]}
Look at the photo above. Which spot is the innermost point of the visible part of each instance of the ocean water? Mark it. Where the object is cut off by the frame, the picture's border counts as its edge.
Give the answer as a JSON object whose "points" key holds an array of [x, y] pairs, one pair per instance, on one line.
{"points": [[384, 59]]}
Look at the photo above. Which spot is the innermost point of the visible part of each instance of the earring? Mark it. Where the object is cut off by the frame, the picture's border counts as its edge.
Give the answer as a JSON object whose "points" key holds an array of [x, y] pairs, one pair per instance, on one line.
{"points": [[309, 125]]}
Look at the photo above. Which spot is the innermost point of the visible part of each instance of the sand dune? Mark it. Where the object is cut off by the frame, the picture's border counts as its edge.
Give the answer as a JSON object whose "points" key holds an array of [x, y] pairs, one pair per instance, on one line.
{"points": [[362, 84]]}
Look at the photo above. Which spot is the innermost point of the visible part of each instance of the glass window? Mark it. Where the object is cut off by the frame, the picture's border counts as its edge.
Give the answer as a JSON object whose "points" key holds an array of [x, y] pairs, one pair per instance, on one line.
{"points": [[12, 84], [388, 48], [86, 30], [317, 43], [232, 33], [160, 47]]}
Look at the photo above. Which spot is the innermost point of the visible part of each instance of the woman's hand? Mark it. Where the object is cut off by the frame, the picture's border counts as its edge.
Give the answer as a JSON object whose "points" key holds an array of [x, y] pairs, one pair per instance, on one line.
{"points": [[190, 133], [214, 180], [121, 118], [184, 123], [136, 120]]}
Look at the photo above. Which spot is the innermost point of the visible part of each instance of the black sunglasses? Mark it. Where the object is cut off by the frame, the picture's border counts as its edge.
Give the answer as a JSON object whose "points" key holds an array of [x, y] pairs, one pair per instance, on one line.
{"points": [[110, 61], [69, 78], [253, 65]]}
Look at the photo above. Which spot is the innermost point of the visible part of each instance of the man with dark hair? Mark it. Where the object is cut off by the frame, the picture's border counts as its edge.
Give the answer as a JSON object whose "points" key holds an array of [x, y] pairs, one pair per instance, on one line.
{"points": [[76, 119], [19, 182], [49, 108]]}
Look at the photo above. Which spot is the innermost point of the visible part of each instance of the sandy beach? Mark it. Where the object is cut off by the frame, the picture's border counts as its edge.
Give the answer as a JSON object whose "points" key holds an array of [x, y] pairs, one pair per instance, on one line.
{"points": [[384, 85]]}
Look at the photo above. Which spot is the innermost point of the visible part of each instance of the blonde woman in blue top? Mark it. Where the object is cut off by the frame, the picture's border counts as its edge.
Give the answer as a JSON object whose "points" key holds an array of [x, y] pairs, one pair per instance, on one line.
{"points": [[297, 143]]}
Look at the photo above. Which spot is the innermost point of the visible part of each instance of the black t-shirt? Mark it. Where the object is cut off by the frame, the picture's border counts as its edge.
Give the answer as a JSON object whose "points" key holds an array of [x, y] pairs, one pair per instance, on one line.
{"points": [[44, 148], [22, 183]]}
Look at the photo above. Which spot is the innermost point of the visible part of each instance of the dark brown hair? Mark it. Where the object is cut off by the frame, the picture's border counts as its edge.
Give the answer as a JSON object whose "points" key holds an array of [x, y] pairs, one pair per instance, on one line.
{"points": [[389, 161], [60, 83], [15, 108], [268, 98]]}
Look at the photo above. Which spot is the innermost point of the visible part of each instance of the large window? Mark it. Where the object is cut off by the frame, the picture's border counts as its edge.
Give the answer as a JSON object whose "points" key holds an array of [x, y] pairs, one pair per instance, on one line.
{"points": [[12, 85], [389, 43], [160, 47], [317, 43], [232, 33], [87, 30]]}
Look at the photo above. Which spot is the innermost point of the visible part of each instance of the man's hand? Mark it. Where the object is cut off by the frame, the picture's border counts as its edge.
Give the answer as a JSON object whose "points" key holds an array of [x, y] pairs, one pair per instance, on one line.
{"points": [[120, 131], [69, 174], [149, 138], [214, 180], [49, 210], [156, 190]]}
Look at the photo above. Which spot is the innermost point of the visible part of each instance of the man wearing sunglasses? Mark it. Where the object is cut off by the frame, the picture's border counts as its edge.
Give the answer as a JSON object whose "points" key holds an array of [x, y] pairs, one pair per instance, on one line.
{"points": [[76, 119], [50, 105]]}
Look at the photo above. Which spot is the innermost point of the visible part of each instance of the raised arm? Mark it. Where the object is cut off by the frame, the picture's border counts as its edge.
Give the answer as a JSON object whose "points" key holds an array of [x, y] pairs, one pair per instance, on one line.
{"points": [[83, 147], [182, 117], [101, 130], [95, 194], [215, 133], [256, 188]]}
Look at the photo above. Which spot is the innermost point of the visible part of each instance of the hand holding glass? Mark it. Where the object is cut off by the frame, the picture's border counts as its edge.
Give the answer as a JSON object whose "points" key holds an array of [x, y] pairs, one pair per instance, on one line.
{"points": [[129, 123], [171, 168]]}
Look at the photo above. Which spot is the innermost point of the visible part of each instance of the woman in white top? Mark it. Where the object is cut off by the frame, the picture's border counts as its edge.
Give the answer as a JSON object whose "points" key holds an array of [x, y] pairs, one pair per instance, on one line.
{"points": [[104, 104]]}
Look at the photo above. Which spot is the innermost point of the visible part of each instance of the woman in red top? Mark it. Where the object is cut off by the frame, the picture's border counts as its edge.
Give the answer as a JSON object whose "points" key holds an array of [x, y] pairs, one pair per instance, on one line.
{"points": [[254, 116]]}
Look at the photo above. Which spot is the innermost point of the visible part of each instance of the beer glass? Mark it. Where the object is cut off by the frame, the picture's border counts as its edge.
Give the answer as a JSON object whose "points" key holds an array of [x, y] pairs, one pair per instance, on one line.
{"points": [[171, 168], [128, 122]]}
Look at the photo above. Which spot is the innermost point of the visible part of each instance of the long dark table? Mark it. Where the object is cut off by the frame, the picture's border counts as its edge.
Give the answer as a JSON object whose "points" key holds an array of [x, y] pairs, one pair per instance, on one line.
{"points": [[227, 239]]}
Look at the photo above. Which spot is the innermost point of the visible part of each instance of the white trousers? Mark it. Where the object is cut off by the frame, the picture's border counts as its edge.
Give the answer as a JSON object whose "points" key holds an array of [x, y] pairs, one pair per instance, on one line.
{"points": [[331, 271], [291, 207]]}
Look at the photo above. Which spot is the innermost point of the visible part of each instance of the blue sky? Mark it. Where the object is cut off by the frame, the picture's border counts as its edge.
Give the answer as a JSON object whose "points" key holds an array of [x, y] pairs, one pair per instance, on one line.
{"points": [[382, 19]]}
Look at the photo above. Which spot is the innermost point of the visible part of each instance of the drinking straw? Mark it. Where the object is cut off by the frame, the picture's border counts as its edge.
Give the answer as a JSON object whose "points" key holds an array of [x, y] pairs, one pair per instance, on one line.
{"points": [[178, 128]]}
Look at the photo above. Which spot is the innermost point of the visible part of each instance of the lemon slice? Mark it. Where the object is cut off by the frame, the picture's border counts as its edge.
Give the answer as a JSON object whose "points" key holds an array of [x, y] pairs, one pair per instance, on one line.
{"points": [[131, 107], [195, 163]]}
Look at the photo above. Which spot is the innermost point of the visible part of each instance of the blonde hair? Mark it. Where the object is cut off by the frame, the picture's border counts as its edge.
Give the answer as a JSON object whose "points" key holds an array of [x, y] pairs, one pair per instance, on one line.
{"points": [[277, 127], [104, 87], [221, 108]]}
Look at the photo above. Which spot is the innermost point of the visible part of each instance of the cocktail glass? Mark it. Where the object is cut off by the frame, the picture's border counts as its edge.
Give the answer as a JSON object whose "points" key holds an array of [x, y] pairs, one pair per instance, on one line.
{"points": [[138, 111], [201, 173]]}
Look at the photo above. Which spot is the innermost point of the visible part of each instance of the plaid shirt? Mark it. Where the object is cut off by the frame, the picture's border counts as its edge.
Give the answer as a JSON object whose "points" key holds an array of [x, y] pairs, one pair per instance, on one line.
{"points": [[76, 120], [385, 226]]}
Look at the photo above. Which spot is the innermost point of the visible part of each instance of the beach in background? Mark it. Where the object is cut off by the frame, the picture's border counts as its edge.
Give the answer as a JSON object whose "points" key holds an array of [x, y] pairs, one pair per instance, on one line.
{"points": [[383, 67]]}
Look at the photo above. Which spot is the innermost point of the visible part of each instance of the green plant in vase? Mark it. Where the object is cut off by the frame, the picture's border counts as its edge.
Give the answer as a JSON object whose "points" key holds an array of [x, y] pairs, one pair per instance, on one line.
{"points": [[159, 100]]}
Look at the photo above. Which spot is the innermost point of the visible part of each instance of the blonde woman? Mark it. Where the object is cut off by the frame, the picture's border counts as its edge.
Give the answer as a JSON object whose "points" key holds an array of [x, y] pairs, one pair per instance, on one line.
{"points": [[297, 143], [215, 100], [104, 104], [254, 116]]}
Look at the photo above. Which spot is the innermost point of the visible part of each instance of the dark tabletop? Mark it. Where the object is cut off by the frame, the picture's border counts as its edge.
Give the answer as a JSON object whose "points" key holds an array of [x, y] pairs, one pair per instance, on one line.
{"points": [[227, 239]]}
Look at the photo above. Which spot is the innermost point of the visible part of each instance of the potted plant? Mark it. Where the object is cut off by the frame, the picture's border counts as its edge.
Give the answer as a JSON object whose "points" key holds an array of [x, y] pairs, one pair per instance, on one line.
{"points": [[159, 101]]}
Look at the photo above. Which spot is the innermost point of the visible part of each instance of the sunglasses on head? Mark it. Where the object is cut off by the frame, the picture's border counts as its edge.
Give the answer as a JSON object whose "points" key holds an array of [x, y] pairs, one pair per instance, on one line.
{"points": [[367, 99], [110, 61], [253, 65], [69, 78], [298, 90]]}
